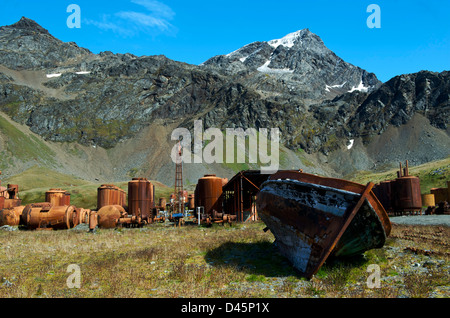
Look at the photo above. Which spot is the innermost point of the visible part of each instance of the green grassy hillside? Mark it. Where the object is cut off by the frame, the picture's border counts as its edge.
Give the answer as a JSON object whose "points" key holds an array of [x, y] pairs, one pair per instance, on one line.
{"points": [[19, 146], [34, 182]]}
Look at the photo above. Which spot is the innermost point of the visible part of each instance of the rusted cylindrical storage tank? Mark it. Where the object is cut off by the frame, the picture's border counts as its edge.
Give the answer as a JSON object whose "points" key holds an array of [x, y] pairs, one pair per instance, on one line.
{"points": [[191, 202], [428, 200], [208, 192], [109, 194], [162, 203], [383, 191], [406, 194], [11, 216], [48, 216], [440, 194], [108, 216], [140, 198], [57, 197]]}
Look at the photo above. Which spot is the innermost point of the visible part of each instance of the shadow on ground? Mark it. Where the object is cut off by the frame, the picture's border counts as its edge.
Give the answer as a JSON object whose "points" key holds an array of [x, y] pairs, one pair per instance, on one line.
{"points": [[260, 258], [263, 258]]}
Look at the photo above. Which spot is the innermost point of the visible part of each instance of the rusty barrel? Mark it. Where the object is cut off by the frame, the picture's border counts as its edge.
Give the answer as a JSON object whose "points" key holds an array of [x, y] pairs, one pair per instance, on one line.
{"points": [[208, 192], [140, 198], [428, 200]]}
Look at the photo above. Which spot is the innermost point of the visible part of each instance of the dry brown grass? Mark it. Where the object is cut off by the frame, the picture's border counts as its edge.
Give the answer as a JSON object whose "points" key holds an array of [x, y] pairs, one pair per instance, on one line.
{"points": [[219, 262]]}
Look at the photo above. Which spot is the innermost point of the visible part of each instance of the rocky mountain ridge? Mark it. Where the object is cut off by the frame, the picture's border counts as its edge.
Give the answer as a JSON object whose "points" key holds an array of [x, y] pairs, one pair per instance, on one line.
{"points": [[300, 61], [66, 94]]}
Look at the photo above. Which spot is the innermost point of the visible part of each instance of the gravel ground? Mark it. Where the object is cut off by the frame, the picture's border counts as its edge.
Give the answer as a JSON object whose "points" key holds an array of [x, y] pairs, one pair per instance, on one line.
{"points": [[422, 220]]}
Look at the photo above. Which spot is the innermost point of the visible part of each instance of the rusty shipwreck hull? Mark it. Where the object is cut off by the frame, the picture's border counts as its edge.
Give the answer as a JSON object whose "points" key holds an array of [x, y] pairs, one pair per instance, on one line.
{"points": [[314, 217]]}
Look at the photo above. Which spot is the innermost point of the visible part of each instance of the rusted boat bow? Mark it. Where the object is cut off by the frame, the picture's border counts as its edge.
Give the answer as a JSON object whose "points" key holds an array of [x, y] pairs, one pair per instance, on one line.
{"points": [[314, 217]]}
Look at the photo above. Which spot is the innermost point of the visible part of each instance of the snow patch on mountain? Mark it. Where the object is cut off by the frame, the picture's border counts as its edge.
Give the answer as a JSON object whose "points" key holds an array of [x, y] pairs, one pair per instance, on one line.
{"points": [[266, 69], [360, 88], [287, 41], [327, 87]]}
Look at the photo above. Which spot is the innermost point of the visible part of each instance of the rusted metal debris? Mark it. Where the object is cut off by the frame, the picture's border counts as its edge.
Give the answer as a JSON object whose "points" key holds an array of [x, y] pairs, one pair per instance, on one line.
{"points": [[314, 217]]}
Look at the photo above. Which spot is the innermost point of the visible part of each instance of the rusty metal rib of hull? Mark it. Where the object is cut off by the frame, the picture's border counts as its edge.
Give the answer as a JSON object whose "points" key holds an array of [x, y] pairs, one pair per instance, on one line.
{"points": [[314, 217]]}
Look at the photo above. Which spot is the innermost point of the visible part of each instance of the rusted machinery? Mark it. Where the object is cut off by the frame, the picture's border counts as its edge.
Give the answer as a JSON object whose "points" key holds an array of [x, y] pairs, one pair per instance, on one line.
{"points": [[11, 216], [113, 210], [111, 216], [9, 196], [214, 218]]}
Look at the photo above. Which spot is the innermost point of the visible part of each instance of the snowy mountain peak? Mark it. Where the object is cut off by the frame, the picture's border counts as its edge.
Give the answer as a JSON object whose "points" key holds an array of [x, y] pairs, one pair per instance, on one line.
{"points": [[289, 40], [301, 61]]}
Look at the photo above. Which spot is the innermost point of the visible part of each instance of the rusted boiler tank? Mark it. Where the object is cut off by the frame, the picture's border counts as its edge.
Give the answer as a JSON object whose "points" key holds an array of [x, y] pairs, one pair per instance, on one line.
{"points": [[208, 192], [141, 198], [46, 216], [57, 197], [109, 194], [406, 192]]}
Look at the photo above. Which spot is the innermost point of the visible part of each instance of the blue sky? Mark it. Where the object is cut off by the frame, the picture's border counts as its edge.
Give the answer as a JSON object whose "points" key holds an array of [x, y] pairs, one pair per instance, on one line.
{"points": [[414, 34]]}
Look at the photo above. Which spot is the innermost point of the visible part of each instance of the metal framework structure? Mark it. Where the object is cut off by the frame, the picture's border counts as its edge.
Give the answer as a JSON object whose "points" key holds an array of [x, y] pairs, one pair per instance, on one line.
{"points": [[239, 194], [178, 189]]}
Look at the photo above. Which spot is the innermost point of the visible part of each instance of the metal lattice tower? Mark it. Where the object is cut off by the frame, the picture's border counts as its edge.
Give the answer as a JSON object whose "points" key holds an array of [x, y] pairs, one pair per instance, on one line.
{"points": [[178, 190]]}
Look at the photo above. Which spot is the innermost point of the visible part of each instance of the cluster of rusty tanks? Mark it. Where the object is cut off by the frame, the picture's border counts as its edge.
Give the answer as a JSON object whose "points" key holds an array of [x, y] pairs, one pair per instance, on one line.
{"points": [[113, 208]]}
